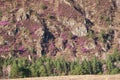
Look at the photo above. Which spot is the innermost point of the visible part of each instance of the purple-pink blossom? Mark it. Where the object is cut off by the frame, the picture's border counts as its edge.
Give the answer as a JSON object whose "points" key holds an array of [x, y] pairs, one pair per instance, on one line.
{"points": [[52, 46], [64, 36], [3, 23], [84, 50], [4, 49], [21, 48], [69, 46]]}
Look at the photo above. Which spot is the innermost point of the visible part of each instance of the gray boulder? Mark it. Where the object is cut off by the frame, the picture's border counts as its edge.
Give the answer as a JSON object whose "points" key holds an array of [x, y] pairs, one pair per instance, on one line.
{"points": [[80, 31]]}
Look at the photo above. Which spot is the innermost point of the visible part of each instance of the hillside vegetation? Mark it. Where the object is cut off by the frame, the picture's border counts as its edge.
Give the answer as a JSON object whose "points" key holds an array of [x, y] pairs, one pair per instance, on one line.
{"points": [[59, 37]]}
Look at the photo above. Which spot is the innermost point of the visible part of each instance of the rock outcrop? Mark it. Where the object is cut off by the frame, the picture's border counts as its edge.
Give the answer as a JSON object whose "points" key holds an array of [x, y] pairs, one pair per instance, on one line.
{"points": [[71, 28]]}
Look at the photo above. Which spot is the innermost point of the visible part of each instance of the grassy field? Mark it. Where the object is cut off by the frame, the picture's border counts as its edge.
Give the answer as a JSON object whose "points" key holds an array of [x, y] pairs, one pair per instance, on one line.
{"points": [[77, 77]]}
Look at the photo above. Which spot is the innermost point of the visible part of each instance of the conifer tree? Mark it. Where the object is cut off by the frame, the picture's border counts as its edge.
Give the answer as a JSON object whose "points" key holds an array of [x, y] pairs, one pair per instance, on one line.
{"points": [[96, 66]]}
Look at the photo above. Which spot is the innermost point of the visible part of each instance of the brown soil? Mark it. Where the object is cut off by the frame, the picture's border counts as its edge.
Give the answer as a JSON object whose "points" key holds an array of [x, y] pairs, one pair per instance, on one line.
{"points": [[77, 77]]}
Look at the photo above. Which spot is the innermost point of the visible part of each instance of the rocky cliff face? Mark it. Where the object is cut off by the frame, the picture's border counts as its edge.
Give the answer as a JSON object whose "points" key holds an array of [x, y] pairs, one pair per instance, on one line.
{"points": [[59, 28]]}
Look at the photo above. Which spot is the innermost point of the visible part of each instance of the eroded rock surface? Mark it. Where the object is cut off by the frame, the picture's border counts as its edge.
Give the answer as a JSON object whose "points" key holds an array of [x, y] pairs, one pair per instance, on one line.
{"points": [[71, 28]]}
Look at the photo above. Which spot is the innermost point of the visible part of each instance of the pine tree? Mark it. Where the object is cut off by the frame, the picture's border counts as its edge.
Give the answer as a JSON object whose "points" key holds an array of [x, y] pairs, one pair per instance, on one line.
{"points": [[1, 64], [116, 55], [87, 68], [110, 64], [115, 71], [48, 66], [34, 72], [42, 71], [15, 70], [58, 66], [64, 64], [96, 66]]}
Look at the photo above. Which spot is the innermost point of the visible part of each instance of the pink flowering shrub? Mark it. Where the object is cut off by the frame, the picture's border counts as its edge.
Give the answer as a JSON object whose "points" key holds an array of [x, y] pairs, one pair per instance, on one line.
{"points": [[52, 49], [3, 23], [69, 46], [72, 48], [84, 50], [52, 46], [21, 48], [4, 49], [64, 36], [80, 42]]}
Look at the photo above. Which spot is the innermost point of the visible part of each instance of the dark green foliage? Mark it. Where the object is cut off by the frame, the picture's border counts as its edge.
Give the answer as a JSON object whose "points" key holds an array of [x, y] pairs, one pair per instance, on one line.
{"points": [[45, 66], [110, 64], [48, 65], [15, 70], [87, 68], [106, 37], [106, 19], [116, 55], [51, 17], [115, 71], [43, 6], [102, 36], [58, 66], [111, 59], [91, 34], [42, 71], [76, 68], [8, 61], [61, 67], [35, 67], [20, 68], [41, 67], [71, 1], [96, 66], [34, 71], [0, 13], [25, 72], [1, 63]]}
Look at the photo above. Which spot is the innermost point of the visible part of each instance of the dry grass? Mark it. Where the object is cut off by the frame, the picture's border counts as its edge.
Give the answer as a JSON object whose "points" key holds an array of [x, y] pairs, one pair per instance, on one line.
{"points": [[77, 77]]}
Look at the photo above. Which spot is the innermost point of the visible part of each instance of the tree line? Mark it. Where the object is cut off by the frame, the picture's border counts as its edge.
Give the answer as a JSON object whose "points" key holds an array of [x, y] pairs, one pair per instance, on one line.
{"points": [[45, 66]]}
